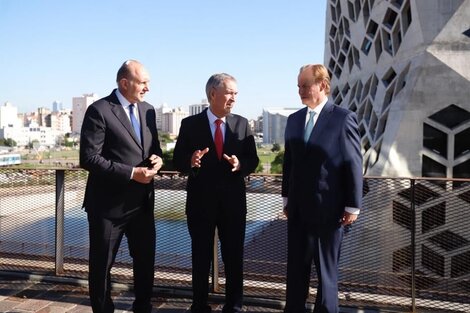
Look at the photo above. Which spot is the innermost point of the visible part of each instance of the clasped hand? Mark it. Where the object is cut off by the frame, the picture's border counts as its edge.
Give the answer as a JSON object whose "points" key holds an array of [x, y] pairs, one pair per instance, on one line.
{"points": [[198, 154], [145, 175]]}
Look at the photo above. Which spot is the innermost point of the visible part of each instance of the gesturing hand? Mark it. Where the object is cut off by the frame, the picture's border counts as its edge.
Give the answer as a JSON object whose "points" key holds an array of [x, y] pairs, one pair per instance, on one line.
{"points": [[233, 160], [197, 156]]}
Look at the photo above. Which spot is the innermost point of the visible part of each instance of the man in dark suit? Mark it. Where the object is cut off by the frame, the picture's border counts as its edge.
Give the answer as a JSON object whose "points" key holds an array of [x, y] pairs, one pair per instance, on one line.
{"points": [[321, 189], [119, 148], [216, 188]]}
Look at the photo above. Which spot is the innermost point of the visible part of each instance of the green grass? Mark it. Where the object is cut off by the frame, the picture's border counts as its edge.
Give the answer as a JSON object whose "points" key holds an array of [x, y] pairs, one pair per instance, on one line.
{"points": [[30, 159]]}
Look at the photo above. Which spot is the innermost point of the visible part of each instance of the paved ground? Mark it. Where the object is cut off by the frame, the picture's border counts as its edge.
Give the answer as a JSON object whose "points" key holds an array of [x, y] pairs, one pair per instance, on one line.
{"points": [[23, 295]]}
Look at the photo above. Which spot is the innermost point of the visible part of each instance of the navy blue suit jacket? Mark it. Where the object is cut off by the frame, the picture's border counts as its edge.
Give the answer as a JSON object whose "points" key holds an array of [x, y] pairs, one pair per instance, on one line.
{"points": [[324, 175]]}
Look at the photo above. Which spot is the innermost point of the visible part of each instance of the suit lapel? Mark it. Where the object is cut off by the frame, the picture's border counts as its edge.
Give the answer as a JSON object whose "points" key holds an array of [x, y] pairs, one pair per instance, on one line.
{"points": [[230, 124], [204, 125], [299, 124], [121, 115], [321, 123], [143, 125]]}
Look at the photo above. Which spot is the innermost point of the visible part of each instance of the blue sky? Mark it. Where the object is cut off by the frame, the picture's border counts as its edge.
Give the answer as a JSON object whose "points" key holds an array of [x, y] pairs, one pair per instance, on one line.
{"points": [[55, 50]]}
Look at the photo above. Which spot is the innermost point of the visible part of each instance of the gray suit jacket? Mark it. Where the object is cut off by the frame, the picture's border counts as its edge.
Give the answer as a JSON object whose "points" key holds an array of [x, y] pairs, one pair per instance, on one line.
{"points": [[109, 149]]}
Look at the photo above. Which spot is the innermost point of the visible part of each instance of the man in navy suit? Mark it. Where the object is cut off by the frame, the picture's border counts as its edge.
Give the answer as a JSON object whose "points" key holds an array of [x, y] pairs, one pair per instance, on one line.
{"points": [[321, 189], [216, 195], [119, 148]]}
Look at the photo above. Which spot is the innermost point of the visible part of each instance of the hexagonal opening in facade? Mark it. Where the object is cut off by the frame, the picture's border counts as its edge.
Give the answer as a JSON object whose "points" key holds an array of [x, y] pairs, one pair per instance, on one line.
{"points": [[433, 217], [448, 240], [451, 116], [435, 140]]}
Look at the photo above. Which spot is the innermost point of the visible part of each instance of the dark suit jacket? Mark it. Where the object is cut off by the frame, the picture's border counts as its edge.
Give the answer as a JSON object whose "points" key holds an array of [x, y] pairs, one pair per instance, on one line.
{"points": [[109, 149], [195, 134], [324, 176]]}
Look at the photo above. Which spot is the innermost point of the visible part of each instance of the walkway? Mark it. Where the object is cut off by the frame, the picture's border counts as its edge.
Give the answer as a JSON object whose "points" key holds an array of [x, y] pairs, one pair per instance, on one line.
{"points": [[19, 295]]}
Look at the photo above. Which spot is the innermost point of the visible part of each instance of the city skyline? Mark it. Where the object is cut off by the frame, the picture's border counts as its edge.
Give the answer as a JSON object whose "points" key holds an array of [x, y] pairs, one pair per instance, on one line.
{"points": [[54, 51]]}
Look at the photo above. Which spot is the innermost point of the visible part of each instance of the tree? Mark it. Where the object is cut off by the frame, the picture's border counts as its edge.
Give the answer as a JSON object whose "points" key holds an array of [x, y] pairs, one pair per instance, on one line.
{"points": [[8, 142], [276, 164], [276, 147], [164, 138], [168, 161]]}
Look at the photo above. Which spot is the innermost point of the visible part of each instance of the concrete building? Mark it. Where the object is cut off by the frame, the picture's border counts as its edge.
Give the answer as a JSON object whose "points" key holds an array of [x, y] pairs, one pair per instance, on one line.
{"points": [[8, 115], [159, 114], [60, 121], [57, 106], [79, 106], [23, 136], [199, 107], [403, 67], [274, 124], [258, 126], [171, 121], [43, 116]]}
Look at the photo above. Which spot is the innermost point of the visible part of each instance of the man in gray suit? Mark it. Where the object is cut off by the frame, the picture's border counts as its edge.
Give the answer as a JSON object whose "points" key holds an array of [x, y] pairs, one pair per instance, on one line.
{"points": [[119, 148]]}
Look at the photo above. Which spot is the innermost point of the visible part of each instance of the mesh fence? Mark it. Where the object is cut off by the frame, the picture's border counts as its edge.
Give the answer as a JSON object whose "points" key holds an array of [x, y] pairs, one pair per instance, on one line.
{"points": [[410, 247]]}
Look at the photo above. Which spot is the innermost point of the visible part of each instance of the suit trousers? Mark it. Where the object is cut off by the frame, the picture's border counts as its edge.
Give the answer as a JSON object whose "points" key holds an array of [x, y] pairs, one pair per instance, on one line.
{"points": [[105, 238], [307, 242], [231, 226]]}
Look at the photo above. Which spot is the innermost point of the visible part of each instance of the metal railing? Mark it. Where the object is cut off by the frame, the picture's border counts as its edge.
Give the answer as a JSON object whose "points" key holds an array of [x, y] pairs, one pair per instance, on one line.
{"points": [[409, 249]]}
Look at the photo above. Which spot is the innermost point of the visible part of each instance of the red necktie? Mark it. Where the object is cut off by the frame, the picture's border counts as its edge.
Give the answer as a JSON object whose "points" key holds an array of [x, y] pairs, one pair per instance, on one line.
{"points": [[218, 140]]}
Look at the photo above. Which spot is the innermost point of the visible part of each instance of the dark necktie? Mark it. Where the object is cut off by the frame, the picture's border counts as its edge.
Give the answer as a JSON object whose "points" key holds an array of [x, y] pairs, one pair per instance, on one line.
{"points": [[309, 126], [218, 140], [134, 122]]}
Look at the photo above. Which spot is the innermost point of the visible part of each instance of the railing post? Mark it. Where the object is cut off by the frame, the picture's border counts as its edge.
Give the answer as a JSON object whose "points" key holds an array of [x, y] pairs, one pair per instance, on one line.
{"points": [[413, 246], [59, 218], [215, 264]]}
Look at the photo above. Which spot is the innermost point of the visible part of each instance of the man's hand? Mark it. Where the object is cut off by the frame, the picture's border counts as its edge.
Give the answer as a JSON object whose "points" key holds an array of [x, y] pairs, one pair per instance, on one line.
{"points": [[197, 156], [233, 160], [144, 175], [348, 218], [156, 162]]}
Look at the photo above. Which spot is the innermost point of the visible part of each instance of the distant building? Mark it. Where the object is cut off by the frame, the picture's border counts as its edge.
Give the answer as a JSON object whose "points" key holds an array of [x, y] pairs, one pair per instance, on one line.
{"points": [[171, 121], [79, 106], [159, 114], [274, 124], [8, 115], [199, 107], [258, 126], [23, 136], [43, 114], [57, 106], [60, 121]]}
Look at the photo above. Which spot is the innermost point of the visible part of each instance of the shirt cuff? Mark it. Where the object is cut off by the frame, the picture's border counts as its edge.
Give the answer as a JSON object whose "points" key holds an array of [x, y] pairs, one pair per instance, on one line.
{"points": [[284, 202], [352, 210]]}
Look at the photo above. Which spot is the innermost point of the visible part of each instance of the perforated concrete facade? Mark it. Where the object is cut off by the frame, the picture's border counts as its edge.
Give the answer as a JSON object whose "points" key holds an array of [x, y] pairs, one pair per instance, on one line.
{"points": [[403, 67]]}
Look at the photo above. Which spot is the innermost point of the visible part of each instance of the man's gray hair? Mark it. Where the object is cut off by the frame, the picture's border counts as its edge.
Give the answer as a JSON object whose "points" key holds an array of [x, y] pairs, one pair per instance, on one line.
{"points": [[216, 80]]}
